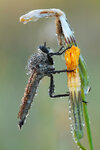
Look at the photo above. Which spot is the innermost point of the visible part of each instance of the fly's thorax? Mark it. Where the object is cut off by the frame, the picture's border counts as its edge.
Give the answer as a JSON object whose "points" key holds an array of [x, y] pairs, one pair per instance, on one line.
{"points": [[41, 62]]}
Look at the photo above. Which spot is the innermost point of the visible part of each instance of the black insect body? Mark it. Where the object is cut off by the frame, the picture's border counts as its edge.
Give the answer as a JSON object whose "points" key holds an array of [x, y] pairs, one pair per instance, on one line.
{"points": [[39, 65]]}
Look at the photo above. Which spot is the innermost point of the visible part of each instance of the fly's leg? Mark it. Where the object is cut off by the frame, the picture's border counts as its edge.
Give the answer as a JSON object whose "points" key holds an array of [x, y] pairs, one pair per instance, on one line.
{"points": [[59, 51], [59, 71], [51, 89]]}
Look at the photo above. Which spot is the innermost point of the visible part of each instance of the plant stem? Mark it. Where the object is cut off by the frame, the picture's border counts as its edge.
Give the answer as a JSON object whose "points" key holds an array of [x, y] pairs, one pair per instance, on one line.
{"points": [[79, 144], [87, 122]]}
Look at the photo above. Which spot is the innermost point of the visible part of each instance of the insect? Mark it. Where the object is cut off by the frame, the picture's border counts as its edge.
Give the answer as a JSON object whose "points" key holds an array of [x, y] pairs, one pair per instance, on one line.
{"points": [[40, 65]]}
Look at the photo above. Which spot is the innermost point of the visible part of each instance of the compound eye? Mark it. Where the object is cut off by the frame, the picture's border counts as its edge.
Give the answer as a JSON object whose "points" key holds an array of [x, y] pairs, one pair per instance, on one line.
{"points": [[41, 47], [44, 49]]}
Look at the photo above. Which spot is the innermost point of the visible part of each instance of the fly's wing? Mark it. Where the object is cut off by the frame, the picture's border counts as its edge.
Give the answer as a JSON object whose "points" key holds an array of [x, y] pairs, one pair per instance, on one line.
{"points": [[76, 114], [29, 94]]}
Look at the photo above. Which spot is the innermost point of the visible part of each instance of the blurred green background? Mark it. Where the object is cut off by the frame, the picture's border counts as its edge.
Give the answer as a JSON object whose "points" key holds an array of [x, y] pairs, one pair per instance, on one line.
{"points": [[47, 126]]}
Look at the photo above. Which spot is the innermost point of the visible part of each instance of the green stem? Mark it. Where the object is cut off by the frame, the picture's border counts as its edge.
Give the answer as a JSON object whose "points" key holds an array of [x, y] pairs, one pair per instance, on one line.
{"points": [[87, 122], [79, 144]]}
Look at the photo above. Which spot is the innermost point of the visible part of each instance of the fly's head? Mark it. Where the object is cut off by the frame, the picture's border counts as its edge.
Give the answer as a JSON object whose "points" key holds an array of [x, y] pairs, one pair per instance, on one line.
{"points": [[46, 51]]}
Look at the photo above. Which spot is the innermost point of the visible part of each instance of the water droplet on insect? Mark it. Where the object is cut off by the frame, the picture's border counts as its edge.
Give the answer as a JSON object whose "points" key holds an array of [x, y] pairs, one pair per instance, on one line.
{"points": [[35, 94]]}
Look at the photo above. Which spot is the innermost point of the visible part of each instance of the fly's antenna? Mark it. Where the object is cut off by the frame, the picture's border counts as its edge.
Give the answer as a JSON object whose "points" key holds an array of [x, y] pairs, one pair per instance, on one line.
{"points": [[45, 44]]}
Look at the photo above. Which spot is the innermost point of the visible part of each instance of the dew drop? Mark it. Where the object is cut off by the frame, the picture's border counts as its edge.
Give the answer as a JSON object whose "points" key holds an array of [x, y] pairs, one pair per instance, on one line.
{"points": [[36, 94], [79, 148], [83, 124], [74, 140], [71, 125], [70, 118], [71, 132]]}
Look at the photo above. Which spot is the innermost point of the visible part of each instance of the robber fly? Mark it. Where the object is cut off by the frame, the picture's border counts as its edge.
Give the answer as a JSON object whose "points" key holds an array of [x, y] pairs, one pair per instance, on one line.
{"points": [[40, 65]]}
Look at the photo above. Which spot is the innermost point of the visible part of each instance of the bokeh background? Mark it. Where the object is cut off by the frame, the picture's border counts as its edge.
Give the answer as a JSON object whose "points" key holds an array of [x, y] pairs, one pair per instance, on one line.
{"points": [[47, 126]]}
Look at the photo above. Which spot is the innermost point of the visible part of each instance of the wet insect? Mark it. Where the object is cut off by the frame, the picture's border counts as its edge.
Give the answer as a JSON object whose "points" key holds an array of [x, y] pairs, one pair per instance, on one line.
{"points": [[39, 65]]}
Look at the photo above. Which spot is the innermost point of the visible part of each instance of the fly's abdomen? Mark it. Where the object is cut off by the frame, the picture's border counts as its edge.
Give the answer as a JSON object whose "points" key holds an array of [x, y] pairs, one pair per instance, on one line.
{"points": [[75, 104], [29, 94]]}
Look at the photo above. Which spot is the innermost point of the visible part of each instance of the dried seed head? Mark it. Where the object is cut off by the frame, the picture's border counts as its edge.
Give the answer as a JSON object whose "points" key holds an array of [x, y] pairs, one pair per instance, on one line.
{"points": [[63, 28]]}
